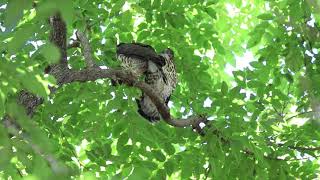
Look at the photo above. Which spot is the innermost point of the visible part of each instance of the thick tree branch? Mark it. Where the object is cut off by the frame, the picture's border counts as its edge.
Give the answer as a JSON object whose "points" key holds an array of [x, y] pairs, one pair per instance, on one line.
{"points": [[31, 101], [92, 74], [64, 75], [58, 36]]}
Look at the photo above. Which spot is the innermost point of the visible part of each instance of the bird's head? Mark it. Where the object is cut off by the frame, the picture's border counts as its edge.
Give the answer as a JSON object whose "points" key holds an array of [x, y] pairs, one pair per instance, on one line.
{"points": [[168, 53]]}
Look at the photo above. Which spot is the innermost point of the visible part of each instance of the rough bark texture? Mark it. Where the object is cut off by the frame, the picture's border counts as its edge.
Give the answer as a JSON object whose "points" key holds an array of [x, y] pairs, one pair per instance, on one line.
{"points": [[58, 36], [64, 75], [30, 101], [92, 74]]}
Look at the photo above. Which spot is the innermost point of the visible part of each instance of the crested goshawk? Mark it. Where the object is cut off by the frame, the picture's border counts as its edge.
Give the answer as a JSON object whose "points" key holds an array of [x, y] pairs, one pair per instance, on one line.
{"points": [[159, 71]]}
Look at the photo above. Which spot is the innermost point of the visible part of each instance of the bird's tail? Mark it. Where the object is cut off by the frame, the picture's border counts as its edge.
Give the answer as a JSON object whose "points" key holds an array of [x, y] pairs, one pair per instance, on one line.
{"points": [[147, 109]]}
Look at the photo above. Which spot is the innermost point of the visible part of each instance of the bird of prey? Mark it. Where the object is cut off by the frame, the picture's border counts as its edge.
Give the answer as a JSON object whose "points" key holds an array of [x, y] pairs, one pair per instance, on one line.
{"points": [[159, 71], [134, 57]]}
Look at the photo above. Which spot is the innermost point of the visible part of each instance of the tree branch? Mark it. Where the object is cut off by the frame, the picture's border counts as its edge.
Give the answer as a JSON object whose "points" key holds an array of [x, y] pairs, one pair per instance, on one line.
{"points": [[297, 115], [86, 48], [286, 102], [207, 171], [300, 148], [92, 74], [14, 129], [58, 36], [31, 101], [74, 44]]}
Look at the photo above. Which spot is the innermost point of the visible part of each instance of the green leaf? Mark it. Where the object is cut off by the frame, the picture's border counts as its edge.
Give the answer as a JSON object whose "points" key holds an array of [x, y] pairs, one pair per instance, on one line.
{"points": [[139, 173], [2, 105], [118, 5], [33, 85], [211, 2], [126, 18], [186, 169], [107, 149], [211, 12], [169, 167], [5, 152], [46, 9], [67, 10], [294, 59], [166, 4], [289, 77], [51, 53], [122, 140], [256, 64], [224, 88], [158, 155], [255, 39], [265, 16], [119, 127], [168, 148], [160, 19], [146, 4], [171, 18], [14, 12], [125, 151], [20, 38], [161, 174], [156, 4]]}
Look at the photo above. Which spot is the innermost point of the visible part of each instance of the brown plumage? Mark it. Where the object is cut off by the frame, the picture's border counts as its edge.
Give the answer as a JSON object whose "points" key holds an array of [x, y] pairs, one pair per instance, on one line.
{"points": [[159, 71], [163, 80]]}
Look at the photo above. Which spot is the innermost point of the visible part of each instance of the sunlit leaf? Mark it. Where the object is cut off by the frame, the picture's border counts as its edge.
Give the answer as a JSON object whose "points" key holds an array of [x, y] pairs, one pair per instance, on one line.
{"points": [[51, 53], [14, 12]]}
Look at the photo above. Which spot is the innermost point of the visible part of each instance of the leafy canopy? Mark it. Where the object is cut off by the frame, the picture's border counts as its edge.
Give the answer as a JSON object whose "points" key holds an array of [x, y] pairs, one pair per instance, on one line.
{"points": [[264, 117]]}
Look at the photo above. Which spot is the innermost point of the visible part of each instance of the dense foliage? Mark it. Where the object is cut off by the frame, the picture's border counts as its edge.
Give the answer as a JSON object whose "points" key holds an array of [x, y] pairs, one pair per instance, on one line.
{"points": [[264, 117]]}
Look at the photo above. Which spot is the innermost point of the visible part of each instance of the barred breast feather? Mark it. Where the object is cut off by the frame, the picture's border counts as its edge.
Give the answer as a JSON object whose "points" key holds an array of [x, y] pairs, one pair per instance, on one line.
{"points": [[163, 80], [158, 69]]}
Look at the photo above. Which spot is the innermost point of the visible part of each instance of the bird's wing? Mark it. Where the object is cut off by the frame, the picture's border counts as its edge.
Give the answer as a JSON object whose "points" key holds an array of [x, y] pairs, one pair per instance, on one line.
{"points": [[154, 78], [140, 51], [146, 107]]}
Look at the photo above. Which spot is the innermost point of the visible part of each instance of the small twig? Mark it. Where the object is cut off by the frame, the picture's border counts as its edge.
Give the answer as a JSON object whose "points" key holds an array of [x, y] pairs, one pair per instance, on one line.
{"points": [[293, 159], [248, 152], [301, 148], [277, 111], [87, 53], [208, 169], [13, 128], [72, 150], [302, 113], [74, 44], [304, 158], [287, 102], [19, 172]]}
